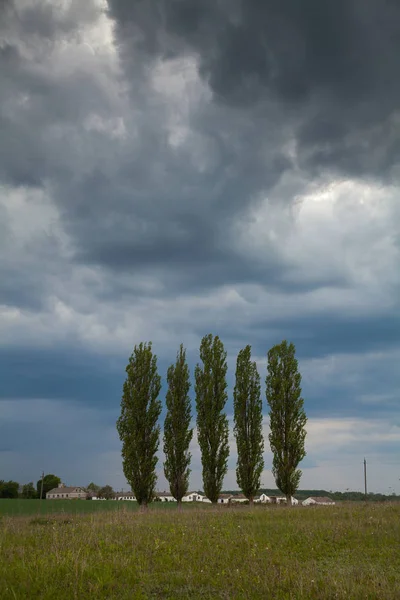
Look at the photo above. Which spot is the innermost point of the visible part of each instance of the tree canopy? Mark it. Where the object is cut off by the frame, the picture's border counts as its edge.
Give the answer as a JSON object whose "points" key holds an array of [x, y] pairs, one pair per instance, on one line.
{"points": [[212, 423], [50, 482], [177, 432], [138, 424], [248, 419], [287, 417], [9, 489]]}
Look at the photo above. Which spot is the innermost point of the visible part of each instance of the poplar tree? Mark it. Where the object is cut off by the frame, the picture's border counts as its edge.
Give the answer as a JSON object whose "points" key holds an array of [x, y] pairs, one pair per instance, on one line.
{"points": [[212, 423], [177, 432], [247, 404], [137, 426], [287, 417]]}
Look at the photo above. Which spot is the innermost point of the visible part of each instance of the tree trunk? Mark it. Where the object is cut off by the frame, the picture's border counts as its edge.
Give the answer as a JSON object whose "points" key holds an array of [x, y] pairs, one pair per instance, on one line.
{"points": [[289, 499], [251, 501], [179, 507]]}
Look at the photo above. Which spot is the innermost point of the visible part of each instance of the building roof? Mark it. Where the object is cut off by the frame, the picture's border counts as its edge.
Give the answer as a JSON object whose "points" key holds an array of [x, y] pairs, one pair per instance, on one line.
{"points": [[163, 494], [198, 493], [239, 497], [225, 496], [66, 490]]}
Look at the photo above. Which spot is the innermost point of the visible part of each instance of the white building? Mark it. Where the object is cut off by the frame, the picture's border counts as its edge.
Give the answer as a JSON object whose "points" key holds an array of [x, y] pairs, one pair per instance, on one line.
{"points": [[263, 498], [165, 497], [193, 497], [318, 501], [126, 496], [224, 498], [64, 492]]}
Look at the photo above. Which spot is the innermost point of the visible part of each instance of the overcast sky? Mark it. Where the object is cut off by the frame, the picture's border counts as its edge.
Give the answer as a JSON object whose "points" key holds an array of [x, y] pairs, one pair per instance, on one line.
{"points": [[170, 168]]}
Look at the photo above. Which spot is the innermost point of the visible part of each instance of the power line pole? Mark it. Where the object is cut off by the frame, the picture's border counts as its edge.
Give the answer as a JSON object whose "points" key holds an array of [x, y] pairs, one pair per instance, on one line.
{"points": [[41, 487], [365, 477]]}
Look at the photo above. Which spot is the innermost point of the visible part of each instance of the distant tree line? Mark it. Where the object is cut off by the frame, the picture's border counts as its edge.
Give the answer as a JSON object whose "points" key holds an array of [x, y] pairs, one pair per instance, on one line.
{"points": [[139, 429], [12, 489]]}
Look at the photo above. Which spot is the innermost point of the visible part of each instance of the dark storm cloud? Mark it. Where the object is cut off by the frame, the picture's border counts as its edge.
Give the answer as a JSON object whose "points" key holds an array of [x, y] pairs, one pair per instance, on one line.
{"points": [[328, 334], [67, 373], [333, 66]]}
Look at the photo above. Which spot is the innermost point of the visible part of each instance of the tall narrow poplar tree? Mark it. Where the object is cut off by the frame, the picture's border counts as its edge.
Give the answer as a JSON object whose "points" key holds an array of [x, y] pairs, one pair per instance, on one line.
{"points": [[212, 423], [287, 417], [247, 405], [177, 432], [137, 426]]}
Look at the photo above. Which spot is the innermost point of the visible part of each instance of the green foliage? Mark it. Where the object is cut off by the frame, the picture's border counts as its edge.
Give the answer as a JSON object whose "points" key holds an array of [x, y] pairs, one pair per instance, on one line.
{"points": [[29, 492], [137, 425], [9, 489], [287, 417], [248, 418], [106, 492], [92, 487], [177, 432], [212, 423], [50, 482]]}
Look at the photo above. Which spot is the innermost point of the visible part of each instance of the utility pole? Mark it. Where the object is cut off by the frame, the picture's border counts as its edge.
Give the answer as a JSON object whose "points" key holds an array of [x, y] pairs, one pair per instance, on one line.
{"points": [[365, 477], [41, 494], [41, 487]]}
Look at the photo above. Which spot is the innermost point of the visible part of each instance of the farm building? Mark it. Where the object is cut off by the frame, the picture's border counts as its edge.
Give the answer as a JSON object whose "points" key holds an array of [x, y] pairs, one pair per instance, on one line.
{"points": [[224, 498], [277, 499], [263, 498], [165, 497], [63, 492], [193, 497], [126, 496], [238, 498], [318, 501]]}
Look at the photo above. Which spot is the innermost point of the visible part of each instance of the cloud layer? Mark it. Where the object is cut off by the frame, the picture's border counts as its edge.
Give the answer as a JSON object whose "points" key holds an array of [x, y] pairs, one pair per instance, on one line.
{"points": [[169, 169]]}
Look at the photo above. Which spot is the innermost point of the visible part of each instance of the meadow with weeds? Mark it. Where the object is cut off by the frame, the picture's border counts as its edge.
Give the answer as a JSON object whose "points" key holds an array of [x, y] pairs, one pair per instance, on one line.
{"points": [[53, 507], [345, 551]]}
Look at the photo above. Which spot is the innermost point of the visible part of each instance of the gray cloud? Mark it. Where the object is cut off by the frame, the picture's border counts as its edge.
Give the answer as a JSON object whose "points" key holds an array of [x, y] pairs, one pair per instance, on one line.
{"points": [[177, 168], [332, 68]]}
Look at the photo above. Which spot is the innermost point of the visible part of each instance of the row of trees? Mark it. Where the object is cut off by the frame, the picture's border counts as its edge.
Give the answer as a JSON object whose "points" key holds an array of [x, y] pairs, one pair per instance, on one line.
{"points": [[11, 489], [139, 429]]}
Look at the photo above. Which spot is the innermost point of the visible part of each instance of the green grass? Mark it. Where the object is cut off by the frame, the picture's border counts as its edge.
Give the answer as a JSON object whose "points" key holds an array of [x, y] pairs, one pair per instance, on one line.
{"points": [[349, 551], [46, 507]]}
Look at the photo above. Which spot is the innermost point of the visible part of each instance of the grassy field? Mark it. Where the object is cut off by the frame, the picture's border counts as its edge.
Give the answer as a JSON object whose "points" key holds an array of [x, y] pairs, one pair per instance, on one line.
{"points": [[50, 507], [348, 551]]}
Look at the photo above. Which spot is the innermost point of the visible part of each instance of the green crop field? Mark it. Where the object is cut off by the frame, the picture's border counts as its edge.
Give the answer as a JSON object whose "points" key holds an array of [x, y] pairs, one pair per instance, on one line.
{"points": [[346, 551], [53, 507]]}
